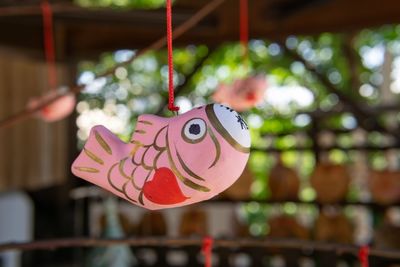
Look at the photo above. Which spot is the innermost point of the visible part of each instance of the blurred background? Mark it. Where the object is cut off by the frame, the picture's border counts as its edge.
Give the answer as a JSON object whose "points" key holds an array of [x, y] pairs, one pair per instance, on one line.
{"points": [[325, 159]]}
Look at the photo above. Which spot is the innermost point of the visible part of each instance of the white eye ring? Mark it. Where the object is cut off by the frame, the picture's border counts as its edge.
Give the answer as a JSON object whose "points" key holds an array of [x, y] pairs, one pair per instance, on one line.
{"points": [[194, 130]]}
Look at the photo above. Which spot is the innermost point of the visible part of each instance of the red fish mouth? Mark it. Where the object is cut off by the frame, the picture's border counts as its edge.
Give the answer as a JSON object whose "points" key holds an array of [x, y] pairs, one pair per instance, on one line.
{"points": [[164, 189]]}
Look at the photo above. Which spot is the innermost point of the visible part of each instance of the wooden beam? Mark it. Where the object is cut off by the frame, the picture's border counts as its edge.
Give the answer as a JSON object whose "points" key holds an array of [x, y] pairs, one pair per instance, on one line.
{"points": [[92, 31], [329, 148], [303, 245]]}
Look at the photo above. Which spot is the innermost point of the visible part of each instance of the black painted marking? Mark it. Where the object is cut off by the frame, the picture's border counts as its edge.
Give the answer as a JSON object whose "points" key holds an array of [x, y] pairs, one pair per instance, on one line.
{"points": [[194, 129]]}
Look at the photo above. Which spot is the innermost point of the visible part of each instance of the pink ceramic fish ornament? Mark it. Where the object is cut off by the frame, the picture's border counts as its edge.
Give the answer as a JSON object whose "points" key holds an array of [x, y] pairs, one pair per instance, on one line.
{"points": [[169, 162], [242, 94], [59, 109]]}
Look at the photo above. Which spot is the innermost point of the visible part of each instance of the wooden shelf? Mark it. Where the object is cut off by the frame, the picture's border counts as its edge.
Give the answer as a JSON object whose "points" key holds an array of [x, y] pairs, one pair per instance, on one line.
{"points": [[371, 205], [95, 192]]}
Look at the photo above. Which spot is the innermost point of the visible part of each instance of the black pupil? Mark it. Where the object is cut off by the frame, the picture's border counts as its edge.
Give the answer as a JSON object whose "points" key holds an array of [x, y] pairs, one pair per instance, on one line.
{"points": [[194, 129]]}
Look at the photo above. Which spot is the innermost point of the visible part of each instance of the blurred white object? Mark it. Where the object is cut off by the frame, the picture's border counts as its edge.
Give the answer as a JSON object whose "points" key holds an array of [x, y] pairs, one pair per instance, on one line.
{"points": [[16, 224], [112, 256]]}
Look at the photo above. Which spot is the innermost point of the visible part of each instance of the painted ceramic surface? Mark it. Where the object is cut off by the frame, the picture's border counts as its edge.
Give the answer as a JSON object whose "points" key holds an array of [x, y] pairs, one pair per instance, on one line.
{"points": [[169, 162]]}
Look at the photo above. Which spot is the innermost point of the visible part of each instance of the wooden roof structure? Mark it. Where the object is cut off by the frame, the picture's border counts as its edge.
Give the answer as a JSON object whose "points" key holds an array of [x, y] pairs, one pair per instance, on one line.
{"points": [[82, 33]]}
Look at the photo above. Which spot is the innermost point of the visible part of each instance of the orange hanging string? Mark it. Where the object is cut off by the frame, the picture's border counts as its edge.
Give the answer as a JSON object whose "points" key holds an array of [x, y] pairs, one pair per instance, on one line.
{"points": [[171, 105], [244, 30], [48, 40], [363, 254], [207, 250]]}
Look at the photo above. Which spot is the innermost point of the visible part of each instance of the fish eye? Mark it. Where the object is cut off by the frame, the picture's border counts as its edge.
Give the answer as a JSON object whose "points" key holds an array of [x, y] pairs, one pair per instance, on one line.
{"points": [[194, 130]]}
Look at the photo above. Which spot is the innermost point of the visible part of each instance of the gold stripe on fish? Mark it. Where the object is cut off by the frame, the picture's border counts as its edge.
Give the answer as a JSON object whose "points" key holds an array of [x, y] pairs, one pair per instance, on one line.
{"points": [[140, 198], [133, 179], [144, 165], [130, 178], [222, 131], [126, 194], [134, 150], [133, 159], [184, 180], [156, 137], [110, 180], [121, 169], [136, 147], [137, 143], [123, 190], [186, 168], [87, 169], [156, 159], [195, 186], [217, 147], [103, 143], [140, 131], [93, 156], [146, 122]]}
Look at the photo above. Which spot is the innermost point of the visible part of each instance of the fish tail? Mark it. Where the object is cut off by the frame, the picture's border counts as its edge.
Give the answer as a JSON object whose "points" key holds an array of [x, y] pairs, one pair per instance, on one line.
{"points": [[102, 150]]}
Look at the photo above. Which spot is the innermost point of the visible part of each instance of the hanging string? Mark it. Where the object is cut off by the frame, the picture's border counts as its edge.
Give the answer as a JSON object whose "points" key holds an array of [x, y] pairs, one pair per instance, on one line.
{"points": [[363, 255], [48, 41], [171, 105], [207, 250], [244, 30]]}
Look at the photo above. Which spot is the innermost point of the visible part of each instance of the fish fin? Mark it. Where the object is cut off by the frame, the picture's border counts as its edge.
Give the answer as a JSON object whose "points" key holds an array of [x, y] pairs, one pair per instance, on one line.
{"points": [[147, 128], [102, 150]]}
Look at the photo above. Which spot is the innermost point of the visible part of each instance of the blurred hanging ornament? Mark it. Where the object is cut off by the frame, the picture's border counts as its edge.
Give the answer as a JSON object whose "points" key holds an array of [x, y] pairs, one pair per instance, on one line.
{"points": [[65, 104], [285, 226], [242, 94], [283, 183], [387, 233], [57, 110], [385, 186], [333, 226], [387, 236], [193, 223], [152, 224], [169, 162], [331, 182], [240, 190]]}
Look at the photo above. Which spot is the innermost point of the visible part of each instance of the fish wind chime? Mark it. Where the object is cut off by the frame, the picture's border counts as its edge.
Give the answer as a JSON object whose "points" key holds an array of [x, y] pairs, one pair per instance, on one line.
{"points": [[65, 103], [169, 162], [245, 93]]}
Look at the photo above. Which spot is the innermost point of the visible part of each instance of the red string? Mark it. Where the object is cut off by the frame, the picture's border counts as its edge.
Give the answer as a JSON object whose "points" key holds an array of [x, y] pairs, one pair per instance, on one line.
{"points": [[363, 254], [171, 105], [48, 40], [207, 250], [244, 29]]}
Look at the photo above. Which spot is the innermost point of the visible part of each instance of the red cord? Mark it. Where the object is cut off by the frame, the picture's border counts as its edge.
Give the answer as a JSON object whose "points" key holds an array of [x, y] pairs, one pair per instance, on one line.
{"points": [[207, 250], [244, 29], [48, 40], [363, 254], [171, 105]]}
